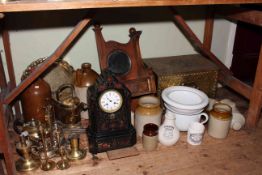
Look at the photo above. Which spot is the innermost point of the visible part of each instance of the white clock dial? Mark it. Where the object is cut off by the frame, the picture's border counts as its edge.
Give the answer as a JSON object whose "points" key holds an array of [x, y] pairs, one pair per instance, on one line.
{"points": [[110, 101]]}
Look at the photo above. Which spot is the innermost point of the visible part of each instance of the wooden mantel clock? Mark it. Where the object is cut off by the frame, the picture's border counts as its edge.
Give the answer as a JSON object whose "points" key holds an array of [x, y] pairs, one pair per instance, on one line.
{"points": [[109, 115], [125, 61]]}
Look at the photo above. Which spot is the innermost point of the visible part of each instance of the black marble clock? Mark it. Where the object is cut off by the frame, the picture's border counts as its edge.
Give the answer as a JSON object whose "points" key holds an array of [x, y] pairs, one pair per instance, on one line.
{"points": [[109, 115]]}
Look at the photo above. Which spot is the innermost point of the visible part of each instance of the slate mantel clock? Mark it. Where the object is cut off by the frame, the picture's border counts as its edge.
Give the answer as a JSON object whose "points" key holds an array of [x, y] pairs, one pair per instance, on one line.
{"points": [[109, 115], [124, 60]]}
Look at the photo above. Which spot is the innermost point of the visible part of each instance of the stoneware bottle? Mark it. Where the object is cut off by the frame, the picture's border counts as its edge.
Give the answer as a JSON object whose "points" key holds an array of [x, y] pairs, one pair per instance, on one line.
{"points": [[34, 100], [148, 111], [84, 78], [168, 133]]}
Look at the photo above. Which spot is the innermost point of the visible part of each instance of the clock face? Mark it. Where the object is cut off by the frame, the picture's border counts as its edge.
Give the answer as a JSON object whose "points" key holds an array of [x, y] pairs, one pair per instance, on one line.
{"points": [[110, 101]]}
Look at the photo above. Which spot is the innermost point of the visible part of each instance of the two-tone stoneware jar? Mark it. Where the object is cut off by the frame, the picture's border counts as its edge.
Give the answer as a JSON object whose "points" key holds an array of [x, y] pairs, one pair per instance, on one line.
{"points": [[219, 120], [148, 111]]}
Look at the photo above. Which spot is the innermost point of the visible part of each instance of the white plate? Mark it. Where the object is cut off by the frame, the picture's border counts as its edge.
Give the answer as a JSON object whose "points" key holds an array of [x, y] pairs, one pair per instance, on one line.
{"points": [[183, 97]]}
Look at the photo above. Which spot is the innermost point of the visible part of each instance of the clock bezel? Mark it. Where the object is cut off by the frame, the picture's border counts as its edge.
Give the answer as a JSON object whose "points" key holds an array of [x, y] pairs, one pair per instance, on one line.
{"points": [[110, 111]]}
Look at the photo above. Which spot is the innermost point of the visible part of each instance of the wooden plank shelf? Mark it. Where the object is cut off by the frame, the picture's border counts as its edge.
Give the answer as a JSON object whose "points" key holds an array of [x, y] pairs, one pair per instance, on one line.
{"points": [[38, 5], [237, 154]]}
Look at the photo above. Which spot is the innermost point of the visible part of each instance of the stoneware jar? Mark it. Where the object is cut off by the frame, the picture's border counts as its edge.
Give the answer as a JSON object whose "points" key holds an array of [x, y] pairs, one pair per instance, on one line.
{"points": [[84, 78], [150, 137], [148, 111], [34, 99], [219, 120]]}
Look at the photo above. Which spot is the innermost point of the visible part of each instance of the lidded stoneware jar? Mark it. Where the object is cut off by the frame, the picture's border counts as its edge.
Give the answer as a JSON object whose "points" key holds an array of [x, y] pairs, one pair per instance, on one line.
{"points": [[84, 78], [219, 120], [148, 111]]}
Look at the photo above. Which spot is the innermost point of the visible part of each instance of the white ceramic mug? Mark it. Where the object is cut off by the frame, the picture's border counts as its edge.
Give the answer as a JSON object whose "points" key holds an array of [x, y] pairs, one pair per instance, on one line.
{"points": [[183, 121], [195, 133]]}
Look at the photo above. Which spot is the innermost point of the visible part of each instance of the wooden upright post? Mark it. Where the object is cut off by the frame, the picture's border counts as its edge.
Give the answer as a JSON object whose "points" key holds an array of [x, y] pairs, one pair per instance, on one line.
{"points": [[256, 96], [209, 24]]}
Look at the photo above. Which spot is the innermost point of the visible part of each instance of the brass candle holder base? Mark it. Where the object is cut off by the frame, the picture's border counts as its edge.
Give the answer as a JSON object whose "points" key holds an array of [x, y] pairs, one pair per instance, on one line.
{"points": [[27, 165], [48, 165], [76, 155], [62, 164]]}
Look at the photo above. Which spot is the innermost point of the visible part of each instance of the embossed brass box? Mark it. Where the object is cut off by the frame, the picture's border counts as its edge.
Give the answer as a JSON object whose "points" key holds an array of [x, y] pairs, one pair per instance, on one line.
{"points": [[188, 70]]}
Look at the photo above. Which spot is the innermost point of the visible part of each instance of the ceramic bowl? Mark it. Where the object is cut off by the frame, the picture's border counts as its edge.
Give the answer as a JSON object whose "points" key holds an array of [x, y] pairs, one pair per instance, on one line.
{"points": [[184, 100]]}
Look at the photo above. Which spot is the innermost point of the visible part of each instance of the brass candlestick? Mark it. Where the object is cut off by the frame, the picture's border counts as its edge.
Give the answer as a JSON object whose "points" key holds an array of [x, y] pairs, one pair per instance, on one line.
{"points": [[75, 153], [47, 164], [26, 163], [63, 163]]}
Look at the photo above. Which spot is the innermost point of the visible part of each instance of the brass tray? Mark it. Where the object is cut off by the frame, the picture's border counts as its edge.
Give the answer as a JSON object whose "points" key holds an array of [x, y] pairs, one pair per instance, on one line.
{"points": [[61, 72]]}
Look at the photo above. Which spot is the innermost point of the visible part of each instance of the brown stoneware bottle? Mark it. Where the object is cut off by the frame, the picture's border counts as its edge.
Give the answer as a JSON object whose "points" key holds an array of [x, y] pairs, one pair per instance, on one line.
{"points": [[34, 100], [84, 78]]}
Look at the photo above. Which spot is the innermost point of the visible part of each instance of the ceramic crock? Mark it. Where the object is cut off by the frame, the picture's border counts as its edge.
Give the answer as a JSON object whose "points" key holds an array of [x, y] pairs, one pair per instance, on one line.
{"points": [[219, 120], [148, 111]]}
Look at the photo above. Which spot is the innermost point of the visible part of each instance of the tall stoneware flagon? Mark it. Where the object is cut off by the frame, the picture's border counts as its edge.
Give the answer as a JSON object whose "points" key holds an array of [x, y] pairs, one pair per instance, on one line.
{"points": [[83, 79], [34, 99]]}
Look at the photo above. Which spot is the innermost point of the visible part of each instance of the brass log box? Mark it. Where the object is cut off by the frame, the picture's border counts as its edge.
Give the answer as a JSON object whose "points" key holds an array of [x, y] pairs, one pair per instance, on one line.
{"points": [[186, 70]]}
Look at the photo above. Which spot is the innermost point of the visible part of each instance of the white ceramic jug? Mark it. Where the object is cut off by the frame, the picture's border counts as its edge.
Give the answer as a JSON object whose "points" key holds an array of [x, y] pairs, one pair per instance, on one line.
{"points": [[168, 133]]}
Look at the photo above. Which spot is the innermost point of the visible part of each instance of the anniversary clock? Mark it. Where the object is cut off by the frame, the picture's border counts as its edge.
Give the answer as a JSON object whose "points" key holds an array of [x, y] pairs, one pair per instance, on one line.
{"points": [[125, 61], [109, 115]]}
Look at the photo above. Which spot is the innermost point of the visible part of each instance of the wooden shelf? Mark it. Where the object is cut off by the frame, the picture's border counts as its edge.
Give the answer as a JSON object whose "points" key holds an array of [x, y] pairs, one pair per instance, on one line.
{"points": [[165, 156], [38, 5]]}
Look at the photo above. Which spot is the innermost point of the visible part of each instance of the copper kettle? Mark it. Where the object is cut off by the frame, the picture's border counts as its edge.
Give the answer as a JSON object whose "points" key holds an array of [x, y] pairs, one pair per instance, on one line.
{"points": [[67, 106]]}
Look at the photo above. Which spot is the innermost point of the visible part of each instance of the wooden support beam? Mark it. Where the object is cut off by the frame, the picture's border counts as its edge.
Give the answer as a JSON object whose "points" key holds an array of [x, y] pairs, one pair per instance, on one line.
{"points": [[50, 60], [6, 146], [9, 62], [197, 44], [255, 104], [3, 82], [236, 84], [241, 14], [228, 78], [209, 24]]}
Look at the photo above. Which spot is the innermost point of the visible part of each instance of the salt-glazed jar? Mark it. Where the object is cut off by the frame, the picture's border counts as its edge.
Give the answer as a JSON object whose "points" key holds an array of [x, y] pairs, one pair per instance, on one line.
{"points": [[168, 133], [34, 99], [84, 78], [219, 120], [150, 137], [148, 111]]}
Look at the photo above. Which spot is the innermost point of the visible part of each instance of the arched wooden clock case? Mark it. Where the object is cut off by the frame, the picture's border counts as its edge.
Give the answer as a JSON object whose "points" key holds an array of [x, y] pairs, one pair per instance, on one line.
{"points": [[125, 61], [109, 130]]}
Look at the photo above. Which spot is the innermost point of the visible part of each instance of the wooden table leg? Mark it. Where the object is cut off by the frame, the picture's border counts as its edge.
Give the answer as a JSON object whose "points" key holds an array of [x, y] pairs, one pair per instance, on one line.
{"points": [[256, 96]]}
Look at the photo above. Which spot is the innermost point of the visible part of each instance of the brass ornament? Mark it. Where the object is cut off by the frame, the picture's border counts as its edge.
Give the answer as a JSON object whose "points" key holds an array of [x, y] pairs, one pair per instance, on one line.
{"points": [[26, 162], [75, 153]]}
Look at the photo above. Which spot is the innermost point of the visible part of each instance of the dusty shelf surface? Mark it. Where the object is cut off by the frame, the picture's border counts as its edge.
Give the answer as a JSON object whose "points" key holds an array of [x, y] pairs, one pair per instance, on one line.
{"points": [[237, 154], [240, 153]]}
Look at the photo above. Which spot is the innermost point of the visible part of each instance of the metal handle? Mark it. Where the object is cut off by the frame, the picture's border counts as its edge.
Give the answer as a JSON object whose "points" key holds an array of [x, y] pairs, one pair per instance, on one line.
{"points": [[63, 87]]}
